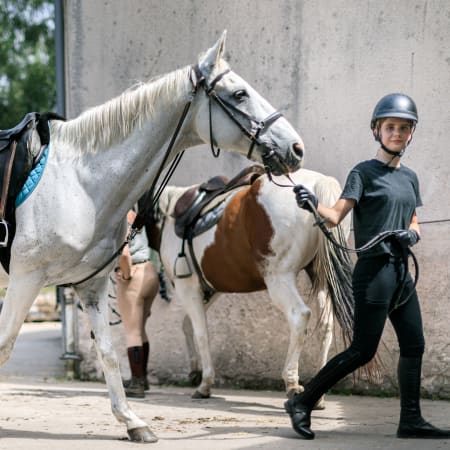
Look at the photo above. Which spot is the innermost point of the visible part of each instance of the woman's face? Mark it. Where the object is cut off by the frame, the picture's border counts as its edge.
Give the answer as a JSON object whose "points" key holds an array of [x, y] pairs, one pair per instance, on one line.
{"points": [[396, 133]]}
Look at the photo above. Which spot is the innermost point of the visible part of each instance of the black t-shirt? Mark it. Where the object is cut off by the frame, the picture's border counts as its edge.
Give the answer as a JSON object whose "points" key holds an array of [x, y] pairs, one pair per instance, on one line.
{"points": [[386, 199]]}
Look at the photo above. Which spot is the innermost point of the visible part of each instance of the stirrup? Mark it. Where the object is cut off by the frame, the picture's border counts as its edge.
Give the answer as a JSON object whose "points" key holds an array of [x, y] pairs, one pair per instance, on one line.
{"points": [[186, 270], [4, 242]]}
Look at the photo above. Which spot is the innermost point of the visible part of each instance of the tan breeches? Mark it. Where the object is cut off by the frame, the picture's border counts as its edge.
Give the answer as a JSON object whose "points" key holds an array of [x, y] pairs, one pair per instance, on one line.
{"points": [[134, 299]]}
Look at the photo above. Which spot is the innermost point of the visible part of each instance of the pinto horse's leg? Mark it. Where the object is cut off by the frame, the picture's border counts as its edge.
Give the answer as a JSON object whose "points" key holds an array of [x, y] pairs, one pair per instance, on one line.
{"points": [[325, 317], [20, 295], [191, 296], [94, 299], [282, 288], [195, 374]]}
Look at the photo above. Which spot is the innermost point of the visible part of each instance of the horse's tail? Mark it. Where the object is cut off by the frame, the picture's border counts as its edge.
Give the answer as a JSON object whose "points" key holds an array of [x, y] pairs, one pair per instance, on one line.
{"points": [[332, 266], [333, 269]]}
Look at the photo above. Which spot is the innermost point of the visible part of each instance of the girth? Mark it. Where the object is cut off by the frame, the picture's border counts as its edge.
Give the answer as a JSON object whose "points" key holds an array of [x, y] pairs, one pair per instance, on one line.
{"points": [[20, 151]]}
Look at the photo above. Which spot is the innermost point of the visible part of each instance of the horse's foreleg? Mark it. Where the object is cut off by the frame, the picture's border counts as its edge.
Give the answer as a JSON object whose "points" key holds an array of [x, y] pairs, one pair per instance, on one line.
{"points": [[283, 291], [195, 375], [191, 297], [96, 306], [20, 295]]}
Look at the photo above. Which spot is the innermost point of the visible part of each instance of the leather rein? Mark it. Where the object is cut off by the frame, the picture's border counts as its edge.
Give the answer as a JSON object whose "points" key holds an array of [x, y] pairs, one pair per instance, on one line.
{"points": [[257, 128]]}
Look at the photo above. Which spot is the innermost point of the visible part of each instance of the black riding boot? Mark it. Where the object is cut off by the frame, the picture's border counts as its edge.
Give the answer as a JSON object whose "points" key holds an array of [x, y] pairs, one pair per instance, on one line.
{"points": [[299, 407], [412, 424], [146, 348], [136, 387]]}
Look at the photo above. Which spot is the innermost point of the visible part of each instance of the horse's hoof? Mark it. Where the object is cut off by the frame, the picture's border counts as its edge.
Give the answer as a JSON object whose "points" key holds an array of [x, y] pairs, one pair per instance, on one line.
{"points": [[294, 391], [199, 395], [195, 377], [142, 434], [320, 405]]}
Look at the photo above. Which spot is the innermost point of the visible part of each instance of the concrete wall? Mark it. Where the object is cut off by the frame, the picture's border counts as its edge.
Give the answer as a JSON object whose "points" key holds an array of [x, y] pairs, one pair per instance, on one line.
{"points": [[325, 63]]}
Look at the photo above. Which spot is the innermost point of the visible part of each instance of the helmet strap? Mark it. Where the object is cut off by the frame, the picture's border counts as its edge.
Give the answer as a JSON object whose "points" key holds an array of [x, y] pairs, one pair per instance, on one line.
{"points": [[390, 152]]}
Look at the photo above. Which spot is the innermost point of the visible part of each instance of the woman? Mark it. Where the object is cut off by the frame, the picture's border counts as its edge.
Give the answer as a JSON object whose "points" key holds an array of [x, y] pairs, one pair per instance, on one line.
{"points": [[384, 195], [137, 285]]}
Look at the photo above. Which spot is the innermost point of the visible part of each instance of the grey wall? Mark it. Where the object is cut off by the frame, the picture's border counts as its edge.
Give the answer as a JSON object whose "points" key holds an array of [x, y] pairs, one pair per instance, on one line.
{"points": [[325, 63]]}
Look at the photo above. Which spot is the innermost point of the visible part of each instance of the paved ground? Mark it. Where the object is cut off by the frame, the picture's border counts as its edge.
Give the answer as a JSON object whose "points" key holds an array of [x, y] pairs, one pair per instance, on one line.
{"points": [[40, 410]]}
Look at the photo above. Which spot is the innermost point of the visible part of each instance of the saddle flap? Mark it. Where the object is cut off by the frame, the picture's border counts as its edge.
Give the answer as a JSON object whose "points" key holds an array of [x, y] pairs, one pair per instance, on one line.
{"points": [[185, 201]]}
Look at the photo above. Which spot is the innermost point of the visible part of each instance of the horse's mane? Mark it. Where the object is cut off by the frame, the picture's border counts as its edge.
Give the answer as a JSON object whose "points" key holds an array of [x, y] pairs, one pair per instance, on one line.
{"points": [[103, 125]]}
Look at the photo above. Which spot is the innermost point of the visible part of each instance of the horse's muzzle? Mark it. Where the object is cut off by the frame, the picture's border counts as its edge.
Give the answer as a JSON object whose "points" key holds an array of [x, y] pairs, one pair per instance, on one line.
{"points": [[277, 165]]}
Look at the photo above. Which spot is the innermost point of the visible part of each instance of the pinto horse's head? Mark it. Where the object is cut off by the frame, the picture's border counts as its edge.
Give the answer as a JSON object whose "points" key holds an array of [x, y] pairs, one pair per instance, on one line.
{"points": [[234, 116]]}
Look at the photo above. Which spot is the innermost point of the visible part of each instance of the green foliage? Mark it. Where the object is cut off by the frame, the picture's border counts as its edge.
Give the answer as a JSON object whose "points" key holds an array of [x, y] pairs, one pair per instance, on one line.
{"points": [[27, 59]]}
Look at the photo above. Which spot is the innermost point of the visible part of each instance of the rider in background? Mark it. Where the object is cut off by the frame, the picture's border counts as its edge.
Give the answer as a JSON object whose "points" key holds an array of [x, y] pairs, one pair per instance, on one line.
{"points": [[136, 286], [384, 195]]}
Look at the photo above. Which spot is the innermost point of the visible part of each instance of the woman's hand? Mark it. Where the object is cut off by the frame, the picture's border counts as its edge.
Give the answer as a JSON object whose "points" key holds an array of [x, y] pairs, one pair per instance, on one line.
{"points": [[305, 198], [407, 238]]}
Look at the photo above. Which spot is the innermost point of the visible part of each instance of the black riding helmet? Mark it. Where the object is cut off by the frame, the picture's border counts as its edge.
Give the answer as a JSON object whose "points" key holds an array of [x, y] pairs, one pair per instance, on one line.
{"points": [[395, 105], [400, 106]]}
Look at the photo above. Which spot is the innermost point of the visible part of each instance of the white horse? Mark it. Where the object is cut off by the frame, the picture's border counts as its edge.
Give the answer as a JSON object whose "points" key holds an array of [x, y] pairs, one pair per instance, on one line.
{"points": [[261, 241], [100, 163]]}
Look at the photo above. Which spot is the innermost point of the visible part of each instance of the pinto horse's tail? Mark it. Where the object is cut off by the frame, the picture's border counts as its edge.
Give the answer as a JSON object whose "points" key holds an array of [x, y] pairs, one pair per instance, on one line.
{"points": [[333, 269]]}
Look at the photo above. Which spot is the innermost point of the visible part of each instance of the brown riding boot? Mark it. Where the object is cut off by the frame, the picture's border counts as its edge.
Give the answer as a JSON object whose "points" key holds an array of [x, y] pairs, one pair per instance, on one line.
{"points": [[135, 388]]}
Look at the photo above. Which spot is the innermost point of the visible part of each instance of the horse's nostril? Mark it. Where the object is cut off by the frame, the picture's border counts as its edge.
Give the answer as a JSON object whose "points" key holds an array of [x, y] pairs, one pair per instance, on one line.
{"points": [[298, 150]]}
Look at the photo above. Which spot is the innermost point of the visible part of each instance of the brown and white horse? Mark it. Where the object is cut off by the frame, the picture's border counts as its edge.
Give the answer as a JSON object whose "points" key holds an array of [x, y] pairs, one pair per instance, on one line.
{"points": [[262, 241]]}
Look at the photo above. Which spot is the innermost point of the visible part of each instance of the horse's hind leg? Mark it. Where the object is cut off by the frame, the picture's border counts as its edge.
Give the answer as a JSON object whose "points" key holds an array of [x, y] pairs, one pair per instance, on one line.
{"points": [[282, 288], [94, 299], [190, 294], [20, 295], [195, 374]]}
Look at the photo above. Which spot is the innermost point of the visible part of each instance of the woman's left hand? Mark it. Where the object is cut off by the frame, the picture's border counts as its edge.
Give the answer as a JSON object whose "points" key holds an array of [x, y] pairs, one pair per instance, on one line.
{"points": [[407, 238]]}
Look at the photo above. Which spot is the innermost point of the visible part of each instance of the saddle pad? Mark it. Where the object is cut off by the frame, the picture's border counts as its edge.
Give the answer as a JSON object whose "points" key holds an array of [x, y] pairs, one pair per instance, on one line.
{"points": [[33, 178]]}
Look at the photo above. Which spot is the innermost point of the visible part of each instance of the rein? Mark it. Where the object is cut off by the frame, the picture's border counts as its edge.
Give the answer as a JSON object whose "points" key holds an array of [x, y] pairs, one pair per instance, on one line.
{"points": [[380, 237], [270, 157]]}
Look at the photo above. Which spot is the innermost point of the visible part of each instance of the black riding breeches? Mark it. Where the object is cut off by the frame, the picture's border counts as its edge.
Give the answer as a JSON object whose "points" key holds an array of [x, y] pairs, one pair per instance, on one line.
{"points": [[376, 285]]}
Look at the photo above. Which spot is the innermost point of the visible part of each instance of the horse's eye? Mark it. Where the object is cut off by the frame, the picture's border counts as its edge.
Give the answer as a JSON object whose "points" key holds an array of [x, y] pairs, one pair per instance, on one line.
{"points": [[240, 95]]}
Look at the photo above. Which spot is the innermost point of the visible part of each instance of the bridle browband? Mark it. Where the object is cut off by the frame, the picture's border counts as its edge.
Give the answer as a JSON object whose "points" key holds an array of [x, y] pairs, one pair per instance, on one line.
{"points": [[270, 157]]}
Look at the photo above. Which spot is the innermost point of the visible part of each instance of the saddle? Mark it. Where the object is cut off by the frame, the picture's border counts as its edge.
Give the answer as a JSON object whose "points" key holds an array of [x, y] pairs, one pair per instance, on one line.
{"points": [[20, 150], [195, 200]]}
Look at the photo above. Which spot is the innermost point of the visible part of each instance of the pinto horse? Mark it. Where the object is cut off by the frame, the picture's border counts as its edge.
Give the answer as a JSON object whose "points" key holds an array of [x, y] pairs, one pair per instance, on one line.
{"points": [[70, 228], [261, 241]]}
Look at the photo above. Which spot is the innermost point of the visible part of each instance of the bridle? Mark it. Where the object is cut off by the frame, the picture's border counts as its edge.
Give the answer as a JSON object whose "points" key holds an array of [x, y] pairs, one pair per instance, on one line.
{"points": [[270, 157], [257, 127]]}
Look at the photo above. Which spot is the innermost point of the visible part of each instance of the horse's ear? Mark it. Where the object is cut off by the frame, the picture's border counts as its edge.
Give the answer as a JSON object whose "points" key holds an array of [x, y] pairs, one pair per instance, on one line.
{"points": [[212, 56]]}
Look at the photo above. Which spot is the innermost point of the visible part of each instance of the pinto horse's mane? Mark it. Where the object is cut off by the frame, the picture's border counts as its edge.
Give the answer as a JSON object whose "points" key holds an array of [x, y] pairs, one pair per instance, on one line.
{"points": [[101, 126]]}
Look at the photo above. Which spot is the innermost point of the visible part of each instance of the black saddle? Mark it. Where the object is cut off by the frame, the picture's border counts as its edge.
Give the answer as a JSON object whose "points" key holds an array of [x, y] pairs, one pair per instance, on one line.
{"points": [[17, 158]]}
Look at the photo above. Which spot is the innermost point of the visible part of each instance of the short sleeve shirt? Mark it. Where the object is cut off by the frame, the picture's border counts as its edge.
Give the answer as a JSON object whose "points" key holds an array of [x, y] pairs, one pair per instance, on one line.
{"points": [[386, 199], [139, 249]]}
